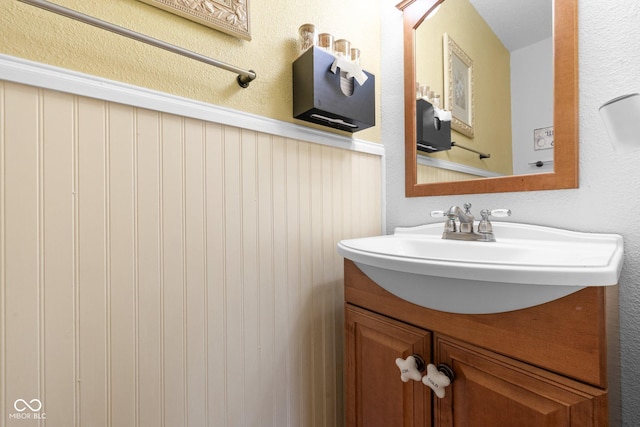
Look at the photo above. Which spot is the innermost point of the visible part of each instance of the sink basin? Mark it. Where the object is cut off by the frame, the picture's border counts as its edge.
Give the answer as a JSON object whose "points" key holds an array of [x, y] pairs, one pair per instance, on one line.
{"points": [[527, 265]]}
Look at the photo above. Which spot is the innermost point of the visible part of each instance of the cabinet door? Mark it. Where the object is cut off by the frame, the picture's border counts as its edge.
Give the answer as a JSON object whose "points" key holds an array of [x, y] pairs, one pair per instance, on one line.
{"points": [[375, 395], [492, 390]]}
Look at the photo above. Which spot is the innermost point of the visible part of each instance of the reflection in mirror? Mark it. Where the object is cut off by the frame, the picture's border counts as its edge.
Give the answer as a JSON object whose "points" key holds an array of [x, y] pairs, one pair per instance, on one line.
{"points": [[491, 64], [513, 100], [511, 52]]}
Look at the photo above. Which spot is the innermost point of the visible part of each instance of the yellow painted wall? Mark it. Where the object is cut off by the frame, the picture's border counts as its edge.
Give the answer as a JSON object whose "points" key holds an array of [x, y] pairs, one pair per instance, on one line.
{"points": [[37, 35], [492, 89]]}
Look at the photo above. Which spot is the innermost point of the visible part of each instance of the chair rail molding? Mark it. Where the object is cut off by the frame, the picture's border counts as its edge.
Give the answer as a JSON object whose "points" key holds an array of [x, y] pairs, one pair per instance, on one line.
{"points": [[32, 73]]}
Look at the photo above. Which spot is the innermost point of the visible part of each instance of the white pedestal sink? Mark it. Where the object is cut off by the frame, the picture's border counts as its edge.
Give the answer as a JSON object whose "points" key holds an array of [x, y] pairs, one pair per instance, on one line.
{"points": [[527, 265]]}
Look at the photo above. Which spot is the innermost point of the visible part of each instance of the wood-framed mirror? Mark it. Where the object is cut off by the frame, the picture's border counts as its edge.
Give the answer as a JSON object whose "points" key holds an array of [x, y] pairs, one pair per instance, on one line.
{"points": [[565, 110]]}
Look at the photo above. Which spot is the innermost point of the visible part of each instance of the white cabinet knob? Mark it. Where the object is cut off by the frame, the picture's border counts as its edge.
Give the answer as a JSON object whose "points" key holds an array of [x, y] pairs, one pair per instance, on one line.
{"points": [[410, 368], [438, 378]]}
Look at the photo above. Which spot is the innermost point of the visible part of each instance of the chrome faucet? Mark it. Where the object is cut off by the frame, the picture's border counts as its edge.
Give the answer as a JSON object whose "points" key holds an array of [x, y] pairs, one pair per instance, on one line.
{"points": [[466, 218], [464, 231]]}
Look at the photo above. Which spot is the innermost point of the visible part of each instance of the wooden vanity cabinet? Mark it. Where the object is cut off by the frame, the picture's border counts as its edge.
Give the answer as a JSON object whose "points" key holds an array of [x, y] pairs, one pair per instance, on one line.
{"points": [[380, 398], [492, 390], [550, 365]]}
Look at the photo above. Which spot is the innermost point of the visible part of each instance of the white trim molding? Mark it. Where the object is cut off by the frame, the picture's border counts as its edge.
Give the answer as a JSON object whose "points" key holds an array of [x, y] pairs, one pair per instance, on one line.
{"points": [[31, 73]]}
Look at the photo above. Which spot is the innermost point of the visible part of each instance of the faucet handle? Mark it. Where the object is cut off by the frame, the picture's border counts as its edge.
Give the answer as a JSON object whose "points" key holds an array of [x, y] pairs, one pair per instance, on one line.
{"points": [[484, 226], [450, 223], [500, 213]]}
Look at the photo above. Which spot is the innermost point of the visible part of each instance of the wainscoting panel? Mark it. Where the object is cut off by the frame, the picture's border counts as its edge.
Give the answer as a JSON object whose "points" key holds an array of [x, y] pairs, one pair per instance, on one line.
{"points": [[428, 174], [158, 270]]}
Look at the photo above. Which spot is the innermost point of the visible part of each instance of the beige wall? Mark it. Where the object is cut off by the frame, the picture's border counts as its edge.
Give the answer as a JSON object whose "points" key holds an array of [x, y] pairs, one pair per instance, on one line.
{"points": [[491, 85], [28, 32], [161, 270]]}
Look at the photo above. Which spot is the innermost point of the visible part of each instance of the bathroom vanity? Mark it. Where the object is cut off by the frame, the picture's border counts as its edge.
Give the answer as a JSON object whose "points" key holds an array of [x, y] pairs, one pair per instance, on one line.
{"points": [[552, 364]]}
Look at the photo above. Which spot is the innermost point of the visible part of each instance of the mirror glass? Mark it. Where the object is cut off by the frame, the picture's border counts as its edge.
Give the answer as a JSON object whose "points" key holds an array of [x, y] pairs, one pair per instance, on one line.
{"points": [[487, 73], [510, 48]]}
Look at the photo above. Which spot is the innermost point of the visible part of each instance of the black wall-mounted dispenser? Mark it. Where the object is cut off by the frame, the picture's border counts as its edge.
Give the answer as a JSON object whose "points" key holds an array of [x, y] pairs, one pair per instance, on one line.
{"points": [[432, 133], [318, 98]]}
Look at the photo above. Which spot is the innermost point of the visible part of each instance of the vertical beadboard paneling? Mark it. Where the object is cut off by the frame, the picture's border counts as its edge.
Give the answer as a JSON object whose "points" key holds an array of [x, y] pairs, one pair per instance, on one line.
{"points": [[250, 267], [266, 286], [338, 300], [329, 290], [357, 204], [173, 286], [373, 209], [195, 273], [198, 258], [122, 286], [216, 285], [317, 301], [58, 118], [3, 251], [282, 343], [305, 321], [234, 334], [427, 174], [293, 307], [149, 298], [346, 221], [92, 300], [22, 235]]}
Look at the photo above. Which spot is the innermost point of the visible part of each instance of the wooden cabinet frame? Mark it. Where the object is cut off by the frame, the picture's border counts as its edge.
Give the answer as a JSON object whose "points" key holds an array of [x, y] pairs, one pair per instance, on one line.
{"points": [[573, 339]]}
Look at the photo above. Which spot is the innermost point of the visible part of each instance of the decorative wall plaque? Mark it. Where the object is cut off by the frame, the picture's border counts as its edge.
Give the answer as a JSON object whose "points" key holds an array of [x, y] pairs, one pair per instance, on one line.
{"points": [[543, 138], [229, 16]]}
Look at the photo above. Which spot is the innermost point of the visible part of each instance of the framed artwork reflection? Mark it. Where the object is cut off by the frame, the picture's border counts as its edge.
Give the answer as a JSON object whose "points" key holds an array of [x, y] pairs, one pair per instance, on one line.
{"points": [[228, 16], [458, 86], [543, 138]]}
